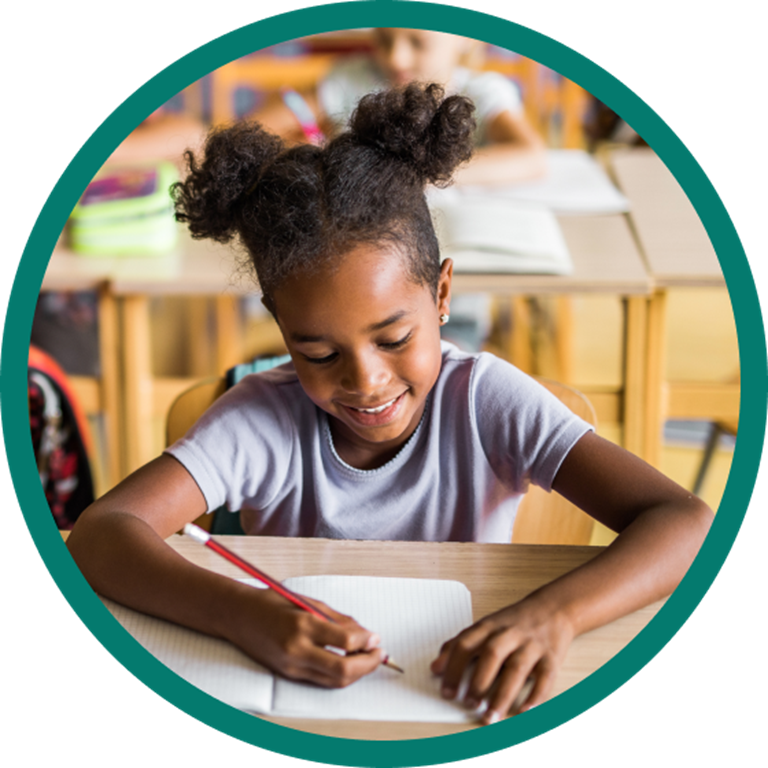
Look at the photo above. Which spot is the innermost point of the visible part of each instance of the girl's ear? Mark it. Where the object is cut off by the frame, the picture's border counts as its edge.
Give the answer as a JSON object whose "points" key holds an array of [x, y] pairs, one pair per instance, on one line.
{"points": [[444, 288]]}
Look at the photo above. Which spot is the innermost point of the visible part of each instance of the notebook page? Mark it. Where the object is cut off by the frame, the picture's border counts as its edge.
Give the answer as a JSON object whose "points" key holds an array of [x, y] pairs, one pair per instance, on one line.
{"points": [[484, 233], [575, 183], [413, 617], [215, 666]]}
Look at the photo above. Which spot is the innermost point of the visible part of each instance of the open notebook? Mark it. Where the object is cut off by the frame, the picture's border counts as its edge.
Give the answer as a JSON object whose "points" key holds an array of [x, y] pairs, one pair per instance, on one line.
{"points": [[412, 616], [489, 234], [575, 183]]}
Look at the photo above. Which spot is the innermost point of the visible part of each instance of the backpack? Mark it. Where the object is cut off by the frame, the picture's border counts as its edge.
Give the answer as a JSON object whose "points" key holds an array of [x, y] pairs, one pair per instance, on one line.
{"points": [[61, 439]]}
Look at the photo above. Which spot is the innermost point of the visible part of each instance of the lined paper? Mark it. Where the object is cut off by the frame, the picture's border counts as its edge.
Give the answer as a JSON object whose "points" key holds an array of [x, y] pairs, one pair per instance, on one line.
{"points": [[215, 666], [575, 183], [413, 617]]}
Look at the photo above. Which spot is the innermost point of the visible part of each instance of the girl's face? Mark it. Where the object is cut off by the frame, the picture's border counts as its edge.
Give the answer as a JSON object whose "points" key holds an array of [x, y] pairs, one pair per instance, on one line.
{"points": [[365, 342], [418, 55]]}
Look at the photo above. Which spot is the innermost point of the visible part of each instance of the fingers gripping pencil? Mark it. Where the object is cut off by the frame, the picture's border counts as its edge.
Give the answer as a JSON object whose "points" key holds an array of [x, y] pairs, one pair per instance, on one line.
{"points": [[203, 537]]}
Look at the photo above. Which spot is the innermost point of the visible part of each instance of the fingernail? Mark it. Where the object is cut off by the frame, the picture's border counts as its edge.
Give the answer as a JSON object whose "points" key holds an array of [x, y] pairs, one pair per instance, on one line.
{"points": [[491, 717], [447, 692], [373, 642]]}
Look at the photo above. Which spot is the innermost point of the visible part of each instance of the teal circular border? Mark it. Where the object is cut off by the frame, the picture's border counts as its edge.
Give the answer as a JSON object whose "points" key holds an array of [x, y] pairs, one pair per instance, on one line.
{"points": [[752, 350]]}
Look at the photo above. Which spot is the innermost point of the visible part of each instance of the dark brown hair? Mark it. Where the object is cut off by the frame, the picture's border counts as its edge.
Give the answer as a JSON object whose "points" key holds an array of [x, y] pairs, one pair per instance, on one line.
{"points": [[298, 208]]}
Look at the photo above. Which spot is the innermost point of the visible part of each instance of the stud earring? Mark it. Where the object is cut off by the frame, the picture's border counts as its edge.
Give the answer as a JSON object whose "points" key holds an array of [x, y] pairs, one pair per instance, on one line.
{"points": [[444, 319]]}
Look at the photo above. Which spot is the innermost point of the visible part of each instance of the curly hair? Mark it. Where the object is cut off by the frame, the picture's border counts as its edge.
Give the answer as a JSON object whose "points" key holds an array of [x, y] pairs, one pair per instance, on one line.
{"points": [[296, 209]]}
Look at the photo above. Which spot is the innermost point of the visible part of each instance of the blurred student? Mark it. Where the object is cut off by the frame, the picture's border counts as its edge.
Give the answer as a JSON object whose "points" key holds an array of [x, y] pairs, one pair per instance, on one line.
{"points": [[507, 150]]}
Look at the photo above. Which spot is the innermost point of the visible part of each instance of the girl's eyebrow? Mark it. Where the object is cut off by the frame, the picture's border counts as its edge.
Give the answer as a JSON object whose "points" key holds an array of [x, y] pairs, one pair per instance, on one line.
{"points": [[303, 338], [399, 315]]}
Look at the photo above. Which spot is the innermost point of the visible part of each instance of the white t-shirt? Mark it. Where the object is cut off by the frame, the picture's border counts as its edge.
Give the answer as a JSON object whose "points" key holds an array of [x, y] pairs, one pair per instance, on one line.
{"points": [[488, 431], [349, 80]]}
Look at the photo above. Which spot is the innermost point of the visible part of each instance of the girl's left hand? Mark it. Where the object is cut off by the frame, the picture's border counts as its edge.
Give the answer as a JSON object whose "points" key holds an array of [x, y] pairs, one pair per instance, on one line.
{"points": [[525, 640]]}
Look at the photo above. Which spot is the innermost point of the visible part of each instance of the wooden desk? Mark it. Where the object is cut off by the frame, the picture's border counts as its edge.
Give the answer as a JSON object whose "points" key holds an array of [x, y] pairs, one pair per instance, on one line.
{"points": [[678, 253], [194, 268], [496, 575], [605, 256], [606, 260]]}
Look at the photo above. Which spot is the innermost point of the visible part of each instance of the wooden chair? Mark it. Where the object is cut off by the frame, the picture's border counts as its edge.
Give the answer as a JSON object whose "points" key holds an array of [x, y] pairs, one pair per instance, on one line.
{"points": [[543, 518], [548, 518]]}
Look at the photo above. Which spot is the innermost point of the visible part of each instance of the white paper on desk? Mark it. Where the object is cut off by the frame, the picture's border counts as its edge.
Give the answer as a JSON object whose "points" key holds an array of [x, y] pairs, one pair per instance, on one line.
{"points": [[412, 616], [575, 183], [215, 666], [488, 234]]}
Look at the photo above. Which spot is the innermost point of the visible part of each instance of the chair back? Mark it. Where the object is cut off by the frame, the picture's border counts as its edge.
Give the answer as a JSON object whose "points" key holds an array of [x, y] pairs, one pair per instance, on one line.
{"points": [[543, 518], [190, 405], [549, 518]]}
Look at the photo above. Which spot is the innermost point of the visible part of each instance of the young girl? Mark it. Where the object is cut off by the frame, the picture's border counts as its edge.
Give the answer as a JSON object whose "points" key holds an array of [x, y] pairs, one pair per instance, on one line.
{"points": [[376, 430]]}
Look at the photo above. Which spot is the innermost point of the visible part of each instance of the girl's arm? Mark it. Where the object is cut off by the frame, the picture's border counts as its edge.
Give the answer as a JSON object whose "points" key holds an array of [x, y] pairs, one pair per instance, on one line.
{"points": [[118, 544], [661, 527], [275, 116], [515, 153]]}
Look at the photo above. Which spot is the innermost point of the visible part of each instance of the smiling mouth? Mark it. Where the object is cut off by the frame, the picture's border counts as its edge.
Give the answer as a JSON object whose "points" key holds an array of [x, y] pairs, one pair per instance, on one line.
{"points": [[377, 409], [377, 416]]}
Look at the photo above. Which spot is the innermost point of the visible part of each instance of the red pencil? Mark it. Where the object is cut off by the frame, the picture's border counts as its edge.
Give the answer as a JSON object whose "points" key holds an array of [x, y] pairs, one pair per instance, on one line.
{"points": [[203, 537]]}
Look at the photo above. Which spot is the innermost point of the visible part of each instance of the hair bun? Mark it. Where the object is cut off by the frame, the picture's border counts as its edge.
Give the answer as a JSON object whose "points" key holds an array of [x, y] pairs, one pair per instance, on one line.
{"points": [[210, 198], [419, 126]]}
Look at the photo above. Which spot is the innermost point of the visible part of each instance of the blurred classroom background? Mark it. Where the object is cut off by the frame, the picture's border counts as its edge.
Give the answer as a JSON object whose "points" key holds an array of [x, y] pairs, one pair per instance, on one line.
{"points": [[184, 331]]}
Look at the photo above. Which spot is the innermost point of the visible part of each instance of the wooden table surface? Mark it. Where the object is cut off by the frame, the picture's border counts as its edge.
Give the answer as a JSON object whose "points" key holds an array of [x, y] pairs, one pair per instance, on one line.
{"points": [[672, 238], [496, 575]]}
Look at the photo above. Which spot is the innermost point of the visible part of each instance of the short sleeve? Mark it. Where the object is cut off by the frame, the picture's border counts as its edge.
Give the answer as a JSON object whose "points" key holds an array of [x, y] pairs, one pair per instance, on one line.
{"points": [[241, 448], [492, 94], [525, 431]]}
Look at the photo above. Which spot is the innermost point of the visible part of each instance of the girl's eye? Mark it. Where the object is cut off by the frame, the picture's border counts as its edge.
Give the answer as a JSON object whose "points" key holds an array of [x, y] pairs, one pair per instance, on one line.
{"points": [[320, 360], [396, 344]]}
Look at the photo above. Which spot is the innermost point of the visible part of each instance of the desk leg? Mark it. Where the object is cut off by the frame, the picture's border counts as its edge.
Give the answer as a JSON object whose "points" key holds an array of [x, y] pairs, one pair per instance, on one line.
{"points": [[137, 376], [229, 333], [654, 377], [563, 333], [518, 344], [635, 358], [110, 382], [213, 356]]}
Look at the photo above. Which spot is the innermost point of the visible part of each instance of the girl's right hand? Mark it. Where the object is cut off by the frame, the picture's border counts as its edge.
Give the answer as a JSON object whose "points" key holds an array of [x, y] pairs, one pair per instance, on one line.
{"points": [[294, 643]]}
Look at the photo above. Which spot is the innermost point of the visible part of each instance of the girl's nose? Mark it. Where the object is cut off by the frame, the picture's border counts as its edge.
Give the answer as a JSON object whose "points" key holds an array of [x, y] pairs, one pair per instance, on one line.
{"points": [[399, 56], [364, 375]]}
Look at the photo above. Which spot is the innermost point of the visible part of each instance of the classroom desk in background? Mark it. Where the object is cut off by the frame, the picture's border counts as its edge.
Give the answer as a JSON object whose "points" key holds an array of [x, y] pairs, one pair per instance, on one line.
{"points": [[496, 575], [193, 269], [606, 261], [678, 254], [604, 253]]}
